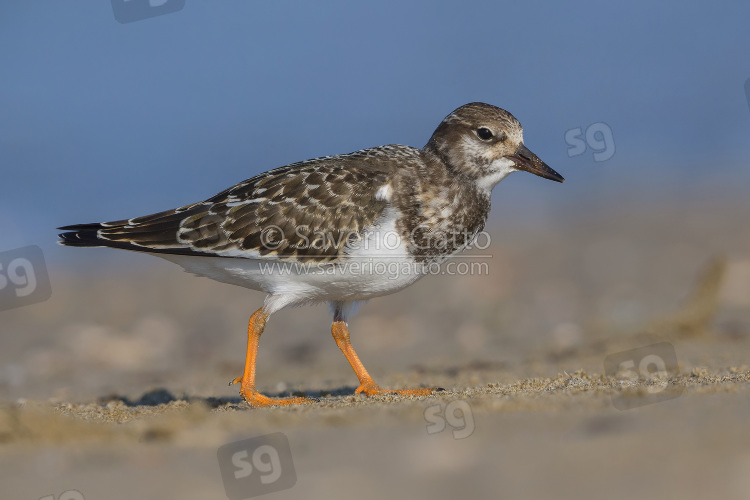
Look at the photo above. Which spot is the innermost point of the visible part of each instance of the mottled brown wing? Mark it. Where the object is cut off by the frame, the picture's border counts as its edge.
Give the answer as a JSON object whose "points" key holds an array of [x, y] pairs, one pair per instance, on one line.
{"points": [[295, 213], [307, 210]]}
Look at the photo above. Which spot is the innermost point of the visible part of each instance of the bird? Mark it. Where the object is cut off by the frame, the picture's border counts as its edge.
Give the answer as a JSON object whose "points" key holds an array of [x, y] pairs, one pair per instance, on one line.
{"points": [[338, 229]]}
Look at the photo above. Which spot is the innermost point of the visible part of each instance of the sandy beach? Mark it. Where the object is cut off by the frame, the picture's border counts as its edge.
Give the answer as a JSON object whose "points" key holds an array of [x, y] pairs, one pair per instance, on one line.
{"points": [[116, 387]]}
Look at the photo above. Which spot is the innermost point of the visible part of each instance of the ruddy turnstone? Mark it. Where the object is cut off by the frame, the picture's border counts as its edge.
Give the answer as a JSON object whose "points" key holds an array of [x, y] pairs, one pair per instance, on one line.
{"points": [[331, 229]]}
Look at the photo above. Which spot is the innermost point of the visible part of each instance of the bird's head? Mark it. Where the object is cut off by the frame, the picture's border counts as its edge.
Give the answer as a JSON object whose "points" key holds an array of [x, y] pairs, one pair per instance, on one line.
{"points": [[485, 143]]}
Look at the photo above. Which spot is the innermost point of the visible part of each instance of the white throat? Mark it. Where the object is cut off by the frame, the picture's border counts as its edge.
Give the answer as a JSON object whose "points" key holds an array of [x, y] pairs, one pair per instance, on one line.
{"points": [[500, 169]]}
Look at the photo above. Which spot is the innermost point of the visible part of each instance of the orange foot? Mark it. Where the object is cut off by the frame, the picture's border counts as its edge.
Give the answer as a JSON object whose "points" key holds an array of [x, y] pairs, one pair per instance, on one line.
{"points": [[371, 388], [258, 400]]}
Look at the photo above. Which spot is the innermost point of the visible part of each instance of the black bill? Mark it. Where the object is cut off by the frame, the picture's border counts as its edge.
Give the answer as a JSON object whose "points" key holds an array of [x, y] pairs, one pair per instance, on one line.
{"points": [[528, 161]]}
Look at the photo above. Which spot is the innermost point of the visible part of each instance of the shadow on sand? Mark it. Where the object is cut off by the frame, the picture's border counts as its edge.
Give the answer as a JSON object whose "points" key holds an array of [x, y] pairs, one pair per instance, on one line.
{"points": [[160, 396]]}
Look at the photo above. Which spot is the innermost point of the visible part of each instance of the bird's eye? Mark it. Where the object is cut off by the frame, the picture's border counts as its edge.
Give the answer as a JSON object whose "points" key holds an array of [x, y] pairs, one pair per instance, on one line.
{"points": [[484, 133]]}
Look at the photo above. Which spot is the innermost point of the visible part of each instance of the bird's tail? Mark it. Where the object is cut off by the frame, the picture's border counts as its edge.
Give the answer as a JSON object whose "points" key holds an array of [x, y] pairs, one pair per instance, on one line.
{"points": [[82, 235]]}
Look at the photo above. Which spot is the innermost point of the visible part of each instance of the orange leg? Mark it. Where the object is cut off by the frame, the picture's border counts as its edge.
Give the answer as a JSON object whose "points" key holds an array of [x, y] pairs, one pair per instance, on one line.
{"points": [[367, 384], [247, 380]]}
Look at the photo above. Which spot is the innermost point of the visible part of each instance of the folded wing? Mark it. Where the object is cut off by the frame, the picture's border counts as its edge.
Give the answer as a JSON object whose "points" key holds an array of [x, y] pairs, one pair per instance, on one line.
{"points": [[302, 211]]}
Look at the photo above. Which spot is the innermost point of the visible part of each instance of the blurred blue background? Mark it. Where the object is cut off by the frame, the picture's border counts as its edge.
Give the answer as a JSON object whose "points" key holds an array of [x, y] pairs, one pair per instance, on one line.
{"points": [[101, 120]]}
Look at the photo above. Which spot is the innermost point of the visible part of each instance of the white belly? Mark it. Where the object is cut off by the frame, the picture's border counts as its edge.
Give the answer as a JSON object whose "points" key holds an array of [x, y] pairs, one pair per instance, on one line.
{"points": [[375, 266], [353, 279]]}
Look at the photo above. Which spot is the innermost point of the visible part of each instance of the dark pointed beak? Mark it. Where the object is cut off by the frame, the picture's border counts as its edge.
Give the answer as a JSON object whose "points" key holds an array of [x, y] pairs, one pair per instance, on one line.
{"points": [[528, 161]]}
